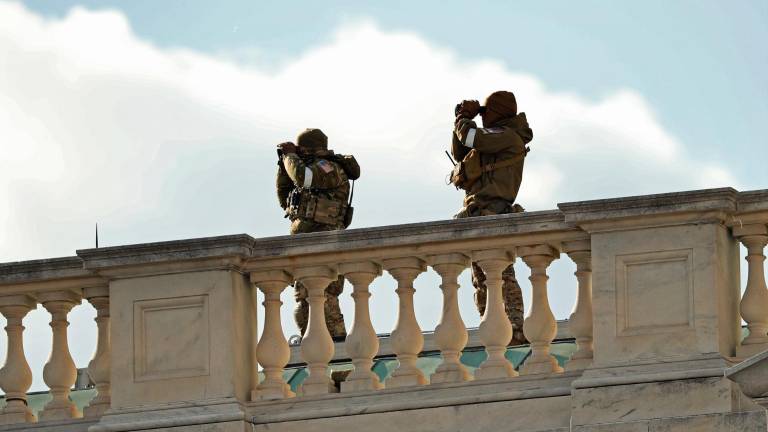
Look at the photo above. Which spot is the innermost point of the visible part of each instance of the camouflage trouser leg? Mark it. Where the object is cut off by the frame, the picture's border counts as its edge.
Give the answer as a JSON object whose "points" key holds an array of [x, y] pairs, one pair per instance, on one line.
{"points": [[510, 292], [334, 319], [333, 316]]}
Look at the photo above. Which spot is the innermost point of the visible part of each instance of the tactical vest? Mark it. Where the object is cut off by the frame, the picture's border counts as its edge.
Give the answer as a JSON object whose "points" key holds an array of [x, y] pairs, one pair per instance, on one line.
{"points": [[304, 203]]}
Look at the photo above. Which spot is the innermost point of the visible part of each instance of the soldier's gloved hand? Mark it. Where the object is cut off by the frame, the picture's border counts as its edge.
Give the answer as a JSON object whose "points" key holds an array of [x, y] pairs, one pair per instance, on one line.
{"points": [[287, 147], [463, 125], [469, 109]]}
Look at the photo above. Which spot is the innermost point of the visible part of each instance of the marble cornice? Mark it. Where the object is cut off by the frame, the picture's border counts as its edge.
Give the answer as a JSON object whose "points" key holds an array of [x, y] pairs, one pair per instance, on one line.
{"points": [[753, 201], [416, 233], [36, 276], [197, 249], [723, 199], [42, 270], [243, 252]]}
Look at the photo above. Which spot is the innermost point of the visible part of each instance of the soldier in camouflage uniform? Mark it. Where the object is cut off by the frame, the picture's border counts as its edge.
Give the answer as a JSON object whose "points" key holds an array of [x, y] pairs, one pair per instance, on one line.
{"points": [[499, 153], [313, 188]]}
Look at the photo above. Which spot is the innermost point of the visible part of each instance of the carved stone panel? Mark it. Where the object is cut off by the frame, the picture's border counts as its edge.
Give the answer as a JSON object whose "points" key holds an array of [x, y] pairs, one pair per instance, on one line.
{"points": [[171, 338], [654, 292]]}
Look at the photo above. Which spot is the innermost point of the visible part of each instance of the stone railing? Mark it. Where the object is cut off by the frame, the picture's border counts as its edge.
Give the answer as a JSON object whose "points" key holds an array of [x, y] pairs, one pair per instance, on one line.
{"points": [[58, 285], [182, 348]]}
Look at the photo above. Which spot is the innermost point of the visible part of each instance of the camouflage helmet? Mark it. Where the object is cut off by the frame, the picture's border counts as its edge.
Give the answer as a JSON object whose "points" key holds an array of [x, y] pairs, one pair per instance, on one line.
{"points": [[502, 102], [312, 140]]}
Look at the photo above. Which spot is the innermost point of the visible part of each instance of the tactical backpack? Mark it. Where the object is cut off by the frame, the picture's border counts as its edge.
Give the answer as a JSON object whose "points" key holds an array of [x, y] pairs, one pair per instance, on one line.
{"points": [[349, 165], [352, 169]]}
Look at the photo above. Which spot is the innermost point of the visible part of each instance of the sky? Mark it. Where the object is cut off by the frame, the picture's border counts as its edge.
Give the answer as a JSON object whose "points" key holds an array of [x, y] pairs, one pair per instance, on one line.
{"points": [[159, 120]]}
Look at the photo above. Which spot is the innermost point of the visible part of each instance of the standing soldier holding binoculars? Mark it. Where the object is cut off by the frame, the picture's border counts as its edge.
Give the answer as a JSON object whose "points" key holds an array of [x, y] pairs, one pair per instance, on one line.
{"points": [[314, 190], [490, 170]]}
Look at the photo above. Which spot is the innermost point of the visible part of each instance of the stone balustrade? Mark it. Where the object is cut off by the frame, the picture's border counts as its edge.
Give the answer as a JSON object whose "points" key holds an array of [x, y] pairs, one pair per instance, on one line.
{"points": [[58, 285], [658, 299]]}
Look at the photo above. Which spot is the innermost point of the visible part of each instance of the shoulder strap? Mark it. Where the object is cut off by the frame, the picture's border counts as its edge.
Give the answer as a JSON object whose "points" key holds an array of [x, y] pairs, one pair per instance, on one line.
{"points": [[351, 194], [493, 166]]}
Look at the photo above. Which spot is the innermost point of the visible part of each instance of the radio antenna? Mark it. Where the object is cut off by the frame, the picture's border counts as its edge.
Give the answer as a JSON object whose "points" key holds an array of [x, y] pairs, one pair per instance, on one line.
{"points": [[97, 235]]}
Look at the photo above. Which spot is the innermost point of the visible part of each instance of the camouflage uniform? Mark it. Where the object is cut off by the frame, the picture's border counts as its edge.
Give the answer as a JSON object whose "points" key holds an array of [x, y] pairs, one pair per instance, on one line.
{"points": [[324, 177], [494, 193]]}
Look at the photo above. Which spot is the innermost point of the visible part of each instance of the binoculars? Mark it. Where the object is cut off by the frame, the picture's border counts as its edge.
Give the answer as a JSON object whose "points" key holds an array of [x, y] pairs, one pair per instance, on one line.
{"points": [[457, 110]]}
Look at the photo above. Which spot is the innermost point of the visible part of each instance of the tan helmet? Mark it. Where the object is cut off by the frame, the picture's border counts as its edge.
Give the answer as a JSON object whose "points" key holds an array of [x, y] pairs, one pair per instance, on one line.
{"points": [[502, 102], [312, 140]]}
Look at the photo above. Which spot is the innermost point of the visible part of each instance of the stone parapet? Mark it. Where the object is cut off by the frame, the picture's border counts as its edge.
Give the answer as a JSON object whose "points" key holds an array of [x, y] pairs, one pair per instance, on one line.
{"points": [[657, 325]]}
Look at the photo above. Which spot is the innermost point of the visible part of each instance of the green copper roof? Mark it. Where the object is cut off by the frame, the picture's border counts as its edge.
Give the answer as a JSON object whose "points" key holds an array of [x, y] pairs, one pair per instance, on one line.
{"points": [[428, 363], [37, 401]]}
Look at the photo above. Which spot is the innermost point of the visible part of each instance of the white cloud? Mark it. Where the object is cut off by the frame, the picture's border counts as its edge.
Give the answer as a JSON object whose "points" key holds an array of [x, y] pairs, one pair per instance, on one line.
{"points": [[97, 124]]}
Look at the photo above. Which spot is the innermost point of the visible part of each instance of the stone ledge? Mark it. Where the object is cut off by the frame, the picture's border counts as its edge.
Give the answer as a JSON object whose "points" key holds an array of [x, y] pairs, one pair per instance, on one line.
{"points": [[522, 415], [43, 269], [214, 412], [748, 373], [416, 233], [75, 425], [705, 200], [549, 226], [755, 200], [752, 421], [176, 250], [412, 398]]}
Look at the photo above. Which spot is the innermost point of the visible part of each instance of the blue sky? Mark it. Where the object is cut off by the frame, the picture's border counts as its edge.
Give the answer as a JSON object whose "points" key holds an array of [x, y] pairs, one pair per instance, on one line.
{"points": [[702, 65], [159, 119]]}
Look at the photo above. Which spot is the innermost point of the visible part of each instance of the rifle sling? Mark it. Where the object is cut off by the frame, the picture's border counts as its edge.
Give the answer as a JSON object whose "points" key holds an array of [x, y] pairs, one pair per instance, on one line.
{"points": [[493, 166]]}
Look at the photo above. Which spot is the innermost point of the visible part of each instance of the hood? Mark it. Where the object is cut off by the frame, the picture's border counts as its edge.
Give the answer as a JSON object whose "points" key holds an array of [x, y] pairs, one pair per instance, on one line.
{"points": [[520, 124]]}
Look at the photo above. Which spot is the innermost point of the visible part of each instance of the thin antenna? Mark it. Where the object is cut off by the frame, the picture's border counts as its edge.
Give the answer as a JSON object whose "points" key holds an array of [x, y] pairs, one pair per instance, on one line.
{"points": [[450, 158], [97, 235]]}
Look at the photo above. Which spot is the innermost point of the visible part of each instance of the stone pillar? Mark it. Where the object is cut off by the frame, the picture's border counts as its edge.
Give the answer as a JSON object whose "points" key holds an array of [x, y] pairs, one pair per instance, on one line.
{"points": [[60, 372], [406, 338], [450, 334], [580, 321], [754, 303], [540, 326], [361, 343], [15, 375], [272, 351], [99, 368], [495, 328], [317, 344]]}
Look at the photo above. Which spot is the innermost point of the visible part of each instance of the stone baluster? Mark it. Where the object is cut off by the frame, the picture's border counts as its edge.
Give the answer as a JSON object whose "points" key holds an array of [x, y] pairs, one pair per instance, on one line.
{"points": [[272, 350], [317, 344], [539, 326], [406, 338], [362, 344], [495, 328], [15, 375], [100, 366], [580, 321], [754, 303], [60, 372], [450, 334]]}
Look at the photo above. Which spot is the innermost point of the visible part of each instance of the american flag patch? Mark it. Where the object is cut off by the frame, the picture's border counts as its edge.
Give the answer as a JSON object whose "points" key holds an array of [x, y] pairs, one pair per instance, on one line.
{"points": [[325, 166]]}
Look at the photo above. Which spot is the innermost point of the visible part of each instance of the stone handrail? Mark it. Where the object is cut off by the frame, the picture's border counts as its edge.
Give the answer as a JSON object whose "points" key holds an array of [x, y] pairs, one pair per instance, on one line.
{"points": [[185, 312]]}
